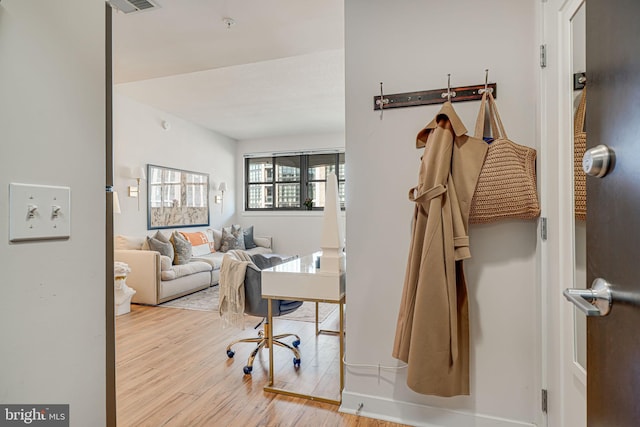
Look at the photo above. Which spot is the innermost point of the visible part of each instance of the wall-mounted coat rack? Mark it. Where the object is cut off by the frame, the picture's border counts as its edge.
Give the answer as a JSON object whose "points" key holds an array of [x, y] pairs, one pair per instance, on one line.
{"points": [[579, 80], [436, 96]]}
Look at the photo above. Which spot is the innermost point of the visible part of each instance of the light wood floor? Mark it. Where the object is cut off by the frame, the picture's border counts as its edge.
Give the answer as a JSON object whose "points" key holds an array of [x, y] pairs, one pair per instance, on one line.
{"points": [[172, 370]]}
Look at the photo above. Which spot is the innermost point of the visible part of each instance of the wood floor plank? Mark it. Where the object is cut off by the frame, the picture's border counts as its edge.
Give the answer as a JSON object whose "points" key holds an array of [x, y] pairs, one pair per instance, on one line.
{"points": [[172, 370]]}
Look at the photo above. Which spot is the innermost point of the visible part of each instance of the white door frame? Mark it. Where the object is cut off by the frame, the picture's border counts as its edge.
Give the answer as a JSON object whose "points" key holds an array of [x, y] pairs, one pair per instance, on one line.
{"points": [[565, 379]]}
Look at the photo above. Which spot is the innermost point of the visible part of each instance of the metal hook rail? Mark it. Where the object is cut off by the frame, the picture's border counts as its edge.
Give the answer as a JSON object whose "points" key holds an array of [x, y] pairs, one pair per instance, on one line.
{"points": [[579, 80], [436, 96], [486, 84]]}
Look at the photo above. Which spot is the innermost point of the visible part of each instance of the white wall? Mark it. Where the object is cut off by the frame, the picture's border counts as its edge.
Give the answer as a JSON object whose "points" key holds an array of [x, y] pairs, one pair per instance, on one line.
{"points": [[139, 139], [293, 232], [410, 46], [52, 121]]}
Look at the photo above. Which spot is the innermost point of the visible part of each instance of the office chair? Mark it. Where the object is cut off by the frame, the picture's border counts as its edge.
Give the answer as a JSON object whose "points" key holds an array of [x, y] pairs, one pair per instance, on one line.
{"points": [[255, 305]]}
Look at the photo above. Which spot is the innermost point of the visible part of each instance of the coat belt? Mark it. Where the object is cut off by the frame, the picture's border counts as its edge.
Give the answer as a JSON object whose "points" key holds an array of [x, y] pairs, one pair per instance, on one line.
{"points": [[425, 196], [461, 243]]}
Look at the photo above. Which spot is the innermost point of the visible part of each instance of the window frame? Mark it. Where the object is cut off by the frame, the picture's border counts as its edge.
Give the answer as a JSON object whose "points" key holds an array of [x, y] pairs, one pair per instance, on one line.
{"points": [[303, 182]]}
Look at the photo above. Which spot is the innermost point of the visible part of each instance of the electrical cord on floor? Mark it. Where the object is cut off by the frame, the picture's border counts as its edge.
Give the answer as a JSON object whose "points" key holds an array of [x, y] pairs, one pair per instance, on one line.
{"points": [[379, 367]]}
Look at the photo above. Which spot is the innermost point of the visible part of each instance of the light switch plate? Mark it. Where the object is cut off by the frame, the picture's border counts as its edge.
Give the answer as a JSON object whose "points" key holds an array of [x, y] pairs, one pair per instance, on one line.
{"points": [[39, 212]]}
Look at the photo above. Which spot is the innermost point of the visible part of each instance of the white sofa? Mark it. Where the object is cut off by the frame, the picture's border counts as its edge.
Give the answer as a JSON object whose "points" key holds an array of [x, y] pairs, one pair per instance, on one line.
{"points": [[156, 280]]}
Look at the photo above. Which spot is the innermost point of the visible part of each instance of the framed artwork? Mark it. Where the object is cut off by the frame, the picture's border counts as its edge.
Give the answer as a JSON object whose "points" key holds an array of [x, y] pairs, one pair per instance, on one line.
{"points": [[176, 198]]}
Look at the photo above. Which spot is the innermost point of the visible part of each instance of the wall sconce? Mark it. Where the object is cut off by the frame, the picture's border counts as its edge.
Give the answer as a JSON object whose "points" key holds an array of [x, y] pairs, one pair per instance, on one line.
{"points": [[220, 199], [138, 174], [218, 188]]}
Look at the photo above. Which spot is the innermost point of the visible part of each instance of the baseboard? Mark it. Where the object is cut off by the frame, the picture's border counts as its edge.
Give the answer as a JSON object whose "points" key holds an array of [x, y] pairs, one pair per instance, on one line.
{"points": [[419, 415]]}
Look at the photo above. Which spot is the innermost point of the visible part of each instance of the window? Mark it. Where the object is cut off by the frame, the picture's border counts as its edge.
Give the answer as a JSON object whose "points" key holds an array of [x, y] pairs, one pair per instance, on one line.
{"points": [[284, 182]]}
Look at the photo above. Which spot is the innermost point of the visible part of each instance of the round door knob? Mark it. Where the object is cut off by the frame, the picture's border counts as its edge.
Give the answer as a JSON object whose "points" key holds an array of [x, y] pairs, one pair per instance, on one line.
{"points": [[597, 160]]}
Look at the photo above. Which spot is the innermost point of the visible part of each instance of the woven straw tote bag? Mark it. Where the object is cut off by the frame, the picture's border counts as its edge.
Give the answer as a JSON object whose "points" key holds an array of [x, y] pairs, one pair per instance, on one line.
{"points": [[579, 148], [507, 184]]}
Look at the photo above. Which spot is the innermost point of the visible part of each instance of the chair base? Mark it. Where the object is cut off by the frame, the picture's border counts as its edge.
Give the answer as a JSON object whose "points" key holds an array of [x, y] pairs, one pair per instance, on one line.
{"points": [[262, 341]]}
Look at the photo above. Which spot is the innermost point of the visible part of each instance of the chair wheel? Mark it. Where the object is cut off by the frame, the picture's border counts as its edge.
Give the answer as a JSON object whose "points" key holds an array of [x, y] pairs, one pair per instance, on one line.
{"points": [[296, 362], [247, 370], [296, 343], [230, 353]]}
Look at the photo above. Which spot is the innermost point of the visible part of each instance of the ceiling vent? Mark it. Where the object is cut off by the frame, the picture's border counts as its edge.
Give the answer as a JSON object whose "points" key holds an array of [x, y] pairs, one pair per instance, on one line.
{"points": [[132, 6]]}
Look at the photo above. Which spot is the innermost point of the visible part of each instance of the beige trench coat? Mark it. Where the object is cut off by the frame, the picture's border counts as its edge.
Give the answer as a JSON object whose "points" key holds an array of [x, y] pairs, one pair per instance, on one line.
{"points": [[432, 334]]}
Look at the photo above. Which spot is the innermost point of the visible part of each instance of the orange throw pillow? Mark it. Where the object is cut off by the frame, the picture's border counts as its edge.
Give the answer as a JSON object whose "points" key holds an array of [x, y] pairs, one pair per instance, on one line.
{"points": [[199, 242]]}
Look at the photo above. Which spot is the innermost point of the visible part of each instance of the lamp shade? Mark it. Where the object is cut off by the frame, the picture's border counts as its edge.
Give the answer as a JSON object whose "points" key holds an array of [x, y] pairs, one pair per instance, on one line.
{"points": [[116, 203], [222, 186], [139, 173]]}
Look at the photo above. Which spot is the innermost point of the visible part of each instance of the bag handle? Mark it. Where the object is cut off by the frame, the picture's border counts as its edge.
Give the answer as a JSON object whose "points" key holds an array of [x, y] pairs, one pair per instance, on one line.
{"points": [[496, 121], [497, 128], [578, 122], [480, 120]]}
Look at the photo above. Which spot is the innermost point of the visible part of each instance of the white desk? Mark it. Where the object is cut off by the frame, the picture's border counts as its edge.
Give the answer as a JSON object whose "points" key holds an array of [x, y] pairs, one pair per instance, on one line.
{"points": [[300, 280]]}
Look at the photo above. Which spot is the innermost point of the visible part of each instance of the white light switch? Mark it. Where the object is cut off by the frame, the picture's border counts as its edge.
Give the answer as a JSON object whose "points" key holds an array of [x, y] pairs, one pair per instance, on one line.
{"points": [[39, 212]]}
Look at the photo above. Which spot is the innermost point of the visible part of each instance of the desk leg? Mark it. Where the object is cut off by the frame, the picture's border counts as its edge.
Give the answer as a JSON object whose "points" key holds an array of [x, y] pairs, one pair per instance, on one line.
{"points": [[270, 388], [317, 332], [341, 335], [270, 339], [323, 331]]}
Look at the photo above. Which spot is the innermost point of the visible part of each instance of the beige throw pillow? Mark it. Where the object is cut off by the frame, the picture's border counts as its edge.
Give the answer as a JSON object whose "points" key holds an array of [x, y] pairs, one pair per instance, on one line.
{"points": [[165, 248], [181, 248], [215, 236], [129, 242]]}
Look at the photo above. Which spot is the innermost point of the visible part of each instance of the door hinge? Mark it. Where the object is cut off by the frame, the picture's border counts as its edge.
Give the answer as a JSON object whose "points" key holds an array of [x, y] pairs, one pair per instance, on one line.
{"points": [[544, 401], [543, 228], [543, 55]]}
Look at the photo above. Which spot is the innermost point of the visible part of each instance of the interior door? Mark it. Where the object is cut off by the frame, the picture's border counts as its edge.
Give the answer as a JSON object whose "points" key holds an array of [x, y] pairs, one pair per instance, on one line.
{"points": [[563, 253], [613, 211]]}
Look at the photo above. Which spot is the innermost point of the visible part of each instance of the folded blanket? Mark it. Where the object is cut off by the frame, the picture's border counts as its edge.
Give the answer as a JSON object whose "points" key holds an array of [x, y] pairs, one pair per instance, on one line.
{"points": [[232, 271]]}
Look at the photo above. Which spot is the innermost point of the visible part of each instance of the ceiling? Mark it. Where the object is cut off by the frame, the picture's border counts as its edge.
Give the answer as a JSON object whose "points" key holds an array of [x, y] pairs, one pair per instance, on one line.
{"points": [[277, 70]]}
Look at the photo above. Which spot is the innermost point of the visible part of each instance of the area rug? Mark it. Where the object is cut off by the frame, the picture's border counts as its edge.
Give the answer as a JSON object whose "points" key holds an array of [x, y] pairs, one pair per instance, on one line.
{"points": [[207, 300]]}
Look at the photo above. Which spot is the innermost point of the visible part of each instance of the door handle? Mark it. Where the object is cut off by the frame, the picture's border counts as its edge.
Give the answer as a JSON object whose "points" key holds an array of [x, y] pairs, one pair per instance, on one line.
{"points": [[597, 161], [592, 302]]}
